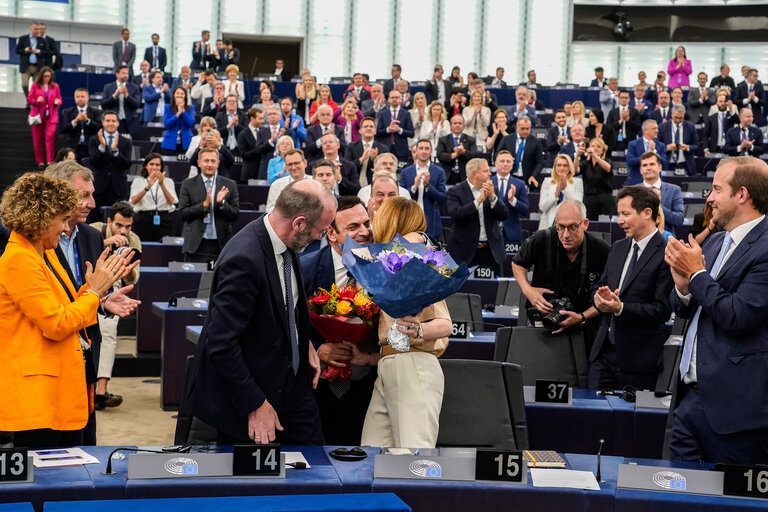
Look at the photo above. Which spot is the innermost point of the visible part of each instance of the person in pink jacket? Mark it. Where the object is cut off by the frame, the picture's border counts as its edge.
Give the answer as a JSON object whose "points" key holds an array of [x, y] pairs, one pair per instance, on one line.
{"points": [[679, 69], [44, 100]]}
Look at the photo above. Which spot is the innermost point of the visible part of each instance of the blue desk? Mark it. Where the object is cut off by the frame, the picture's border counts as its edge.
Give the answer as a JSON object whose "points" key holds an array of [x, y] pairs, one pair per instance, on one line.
{"points": [[478, 346], [16, 507], [637, 432]]}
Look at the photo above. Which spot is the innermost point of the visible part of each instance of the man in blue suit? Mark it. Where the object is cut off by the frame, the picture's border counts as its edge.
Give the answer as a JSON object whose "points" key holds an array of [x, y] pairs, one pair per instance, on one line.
{"points": [[514, 194], [640, 103], [681, 141], [670, 195], [633, 297], [394, 127], [648, 142], [521, 108], [722, 413], [255, 365], [744, 139], [124, 98], [426, 183], [155, 54], [664, 111], [152, 94]]}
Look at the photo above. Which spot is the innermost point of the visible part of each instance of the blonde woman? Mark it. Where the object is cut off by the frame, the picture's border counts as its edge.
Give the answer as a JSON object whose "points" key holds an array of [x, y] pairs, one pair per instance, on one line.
{"points": [[323, 98], [276, 166], [578, 115], [233, 85], [419, 114], [306, 93], [560, 188], [348, 116], [435, 126], [477, 117]]}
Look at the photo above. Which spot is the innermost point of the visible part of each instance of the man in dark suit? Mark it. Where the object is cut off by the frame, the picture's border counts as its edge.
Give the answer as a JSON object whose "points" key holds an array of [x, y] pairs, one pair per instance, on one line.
{"points": [[364, 151], [700, 99], [426, 183], [744, 139], [521, 108], [155, 54], [475, 209], [110, 158], [267, 137], [184, 80], [670, 195], [436, 88], [653, 93], [358, 91], [142, 77], [52, 58], [201, 52], [599, 80], [229, 55], [208, 205], [633, 297], [394, 127], [33, 51], [526, 150], [557, 135], [314, 148], [124, 52], [283, 74], [664, 110], [497, 81], [577, 146], [455, 150], [625, 120], [231, 122], [751, 94], [640, 103], [342, 404], [717, 126], [215, 104], [648, 142], [124, 98], [79, 124], [681, 140], [255, 364], [514, 194], [252, 147], [348, 180], [722, 414], [391, 84]]}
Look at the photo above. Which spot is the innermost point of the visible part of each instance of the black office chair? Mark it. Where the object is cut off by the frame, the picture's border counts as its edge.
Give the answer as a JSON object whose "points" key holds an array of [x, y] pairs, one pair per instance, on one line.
{"points": [[483, 405], [508, 293], [691, 209], [188, 428], [669, 355], [678, 327], [674, 387], [466, 307], [543, 355]]}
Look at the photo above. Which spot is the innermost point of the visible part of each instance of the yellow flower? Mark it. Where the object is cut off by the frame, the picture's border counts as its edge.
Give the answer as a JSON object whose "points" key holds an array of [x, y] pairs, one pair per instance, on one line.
{"points": [[362, 300], [343, 307]]}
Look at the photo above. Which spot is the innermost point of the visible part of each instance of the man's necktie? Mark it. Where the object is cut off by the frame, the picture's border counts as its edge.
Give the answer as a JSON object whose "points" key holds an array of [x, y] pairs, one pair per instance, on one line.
{"points": [[663, 113], [154, 58], [110, 138], [722, 128], [690, 336], [209, 233], [679, 140], [290, 312], [394, 117], [630, 269], [231, 140], [125, 52], [503, 188], [364, 166], [519, 158]]}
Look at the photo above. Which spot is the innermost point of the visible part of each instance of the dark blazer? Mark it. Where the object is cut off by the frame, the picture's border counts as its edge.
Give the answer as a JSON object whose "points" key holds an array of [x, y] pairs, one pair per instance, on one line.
{"points": [[690, 137], [570, 149], [733, 138], [222, 120], [365, 94], [52, 57], [131, 103], [742, 93], [598, 83], [285, 75], [226, 160], [244, 352], [511, 225], [656, 115], [465, 231], [42, 57], [434, 196], [226, 60], [388, 86], [712, 131], [72, 133], [640, 331], [608, 134], [533, 160], [632, 127], [151, 98], [317, 267], [210, 108], [109, 170], [355, 150], [396, 143], [530, 112], [312, 151], [202, 53], [551, 146], [253, 151], [191, 210], [138, 80], [647, 107], [162, 59], [350, 179], [635, 150], [267, 149], [445, 148], [430, 89], [732, 347], [117, 55], [652, 95]]}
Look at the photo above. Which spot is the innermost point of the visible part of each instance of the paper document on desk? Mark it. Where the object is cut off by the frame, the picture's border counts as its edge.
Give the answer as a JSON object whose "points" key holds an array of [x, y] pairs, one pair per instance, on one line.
{"points": [[61, 457], [293, 457], [564, 478]]}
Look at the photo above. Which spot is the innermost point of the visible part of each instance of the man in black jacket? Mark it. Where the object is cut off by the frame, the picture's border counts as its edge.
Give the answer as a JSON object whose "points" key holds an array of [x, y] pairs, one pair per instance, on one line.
{"points": [[33, 54], [79, 124]]}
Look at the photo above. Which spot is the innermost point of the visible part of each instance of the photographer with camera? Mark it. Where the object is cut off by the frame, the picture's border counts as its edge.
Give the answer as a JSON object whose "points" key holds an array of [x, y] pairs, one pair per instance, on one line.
{"points": [[118, 238], [566, 262]]}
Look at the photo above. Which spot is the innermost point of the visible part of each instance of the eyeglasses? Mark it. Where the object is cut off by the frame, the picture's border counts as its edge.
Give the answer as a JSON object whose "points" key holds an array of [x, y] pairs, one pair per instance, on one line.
{"points": [[571, 229], [293, 164]]}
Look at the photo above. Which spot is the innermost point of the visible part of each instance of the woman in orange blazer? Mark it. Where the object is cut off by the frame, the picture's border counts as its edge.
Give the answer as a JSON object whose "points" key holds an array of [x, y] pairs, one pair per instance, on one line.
{"points": [[44, 399], [44, 99]]}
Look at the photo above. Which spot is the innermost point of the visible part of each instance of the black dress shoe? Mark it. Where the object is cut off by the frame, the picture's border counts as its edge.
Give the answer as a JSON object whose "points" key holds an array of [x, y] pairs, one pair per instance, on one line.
{"points": [[106, 400]]}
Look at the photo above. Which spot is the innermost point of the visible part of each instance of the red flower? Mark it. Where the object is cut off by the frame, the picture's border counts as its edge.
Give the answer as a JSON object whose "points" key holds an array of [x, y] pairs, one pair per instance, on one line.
{"points": [[320, 299], [348, 293]]}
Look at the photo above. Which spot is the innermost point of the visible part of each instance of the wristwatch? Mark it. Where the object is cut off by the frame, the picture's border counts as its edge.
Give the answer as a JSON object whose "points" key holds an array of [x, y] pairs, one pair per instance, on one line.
{"points": [[146, 189], [420, 332], [583, 319]]}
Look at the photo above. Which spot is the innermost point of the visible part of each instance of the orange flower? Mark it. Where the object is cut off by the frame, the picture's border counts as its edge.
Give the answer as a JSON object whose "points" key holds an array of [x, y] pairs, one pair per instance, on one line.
{"points": [[343, 307], [361, 300]]}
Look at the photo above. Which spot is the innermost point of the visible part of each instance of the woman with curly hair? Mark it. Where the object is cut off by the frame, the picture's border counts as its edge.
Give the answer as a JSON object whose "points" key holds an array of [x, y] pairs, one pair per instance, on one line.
{"points": [[44, 397]]}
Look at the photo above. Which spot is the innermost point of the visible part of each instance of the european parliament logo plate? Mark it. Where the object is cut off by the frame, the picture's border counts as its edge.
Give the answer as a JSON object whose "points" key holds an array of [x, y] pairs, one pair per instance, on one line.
{"points": [[423, 467], [670, 479]]}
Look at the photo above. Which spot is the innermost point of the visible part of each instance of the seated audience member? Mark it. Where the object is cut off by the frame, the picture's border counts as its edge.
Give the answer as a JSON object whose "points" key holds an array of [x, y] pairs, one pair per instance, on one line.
{"points": [[364, 151], [632, 296], [597, 129], [124, 98], [426, 183], [42, 313], [578, 115], [455, 150], [577, 146], [682, 142], [521, 108], [497, 81], [110, 160], [276, 166], [209, 206], [394, 128], [252, 147], [265, 99], [526, 150], [231, 122], [717, 126], [315, 133], [669, 194], [144, 78], [215, 104], [640, 104], [234, 86], [156, 96], [118, 236], [179, 120], [296, 166], [514, 194], [557, 255], [185, 81], [326, 173], [664, 111], [153, 196], [649, 141], [292, 121], [700, 99], [559, 188], [476, 211], [377, 102], [625, 122], [557, 135], [531, 83], [323, 98], [348, 116], [79, 124], [203, 88], [744, 139], [349, 184], [477, 117], [609, 96], [383, 165], [596, 176], [751, 94], [65, 153]]}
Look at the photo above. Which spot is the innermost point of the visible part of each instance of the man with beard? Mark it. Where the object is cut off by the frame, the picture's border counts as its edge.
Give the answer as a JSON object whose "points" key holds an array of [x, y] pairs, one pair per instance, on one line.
{"points": [[254, 363]]}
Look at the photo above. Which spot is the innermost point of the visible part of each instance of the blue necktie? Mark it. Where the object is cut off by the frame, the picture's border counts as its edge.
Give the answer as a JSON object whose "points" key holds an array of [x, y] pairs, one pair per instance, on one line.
{"points": [[289, 310], [690, 336], [503, 188], [519, 157]]}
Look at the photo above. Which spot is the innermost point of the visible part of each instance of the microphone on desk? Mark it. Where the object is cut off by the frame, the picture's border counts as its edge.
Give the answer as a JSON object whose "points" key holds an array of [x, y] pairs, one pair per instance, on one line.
{"points": [[599, 451], [173, 300], [108, 469]]}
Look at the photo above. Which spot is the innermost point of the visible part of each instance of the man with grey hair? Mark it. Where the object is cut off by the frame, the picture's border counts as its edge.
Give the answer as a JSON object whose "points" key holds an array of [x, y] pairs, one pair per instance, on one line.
{"points": [[566, 259], [521, 108], [347, 180], [681, 142], [475, 210], [254, 363], [648, 142], [231, 122], [384, 163], [313, 145]]}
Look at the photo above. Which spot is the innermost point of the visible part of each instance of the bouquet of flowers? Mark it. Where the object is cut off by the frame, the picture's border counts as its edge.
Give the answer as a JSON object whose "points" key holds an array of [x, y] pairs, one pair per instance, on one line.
{"points": [[342, 314], [403, 278]]}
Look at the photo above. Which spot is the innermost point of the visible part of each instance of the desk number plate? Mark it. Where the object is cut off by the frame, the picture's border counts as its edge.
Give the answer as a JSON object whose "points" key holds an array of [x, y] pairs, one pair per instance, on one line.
{"points": [[500, 465], [552, 391], [15, 465], [254, 459], [459, 330], [751, 481]]}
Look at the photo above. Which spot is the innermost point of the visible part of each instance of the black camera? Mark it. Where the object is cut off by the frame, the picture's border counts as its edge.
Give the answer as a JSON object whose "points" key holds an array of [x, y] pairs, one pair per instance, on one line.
{"points": [[551, 321], [660, 76]]}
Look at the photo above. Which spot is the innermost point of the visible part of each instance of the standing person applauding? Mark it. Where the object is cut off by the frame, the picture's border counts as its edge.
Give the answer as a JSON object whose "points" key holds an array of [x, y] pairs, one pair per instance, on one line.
{"points": [[44, 99], [44, 398], [679, 69], [153, 196], [179, 119], [562, 186]]}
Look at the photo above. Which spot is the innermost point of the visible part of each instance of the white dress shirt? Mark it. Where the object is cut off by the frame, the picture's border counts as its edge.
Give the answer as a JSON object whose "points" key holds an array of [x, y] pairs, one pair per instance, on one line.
{"points": [[476, 193]]}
